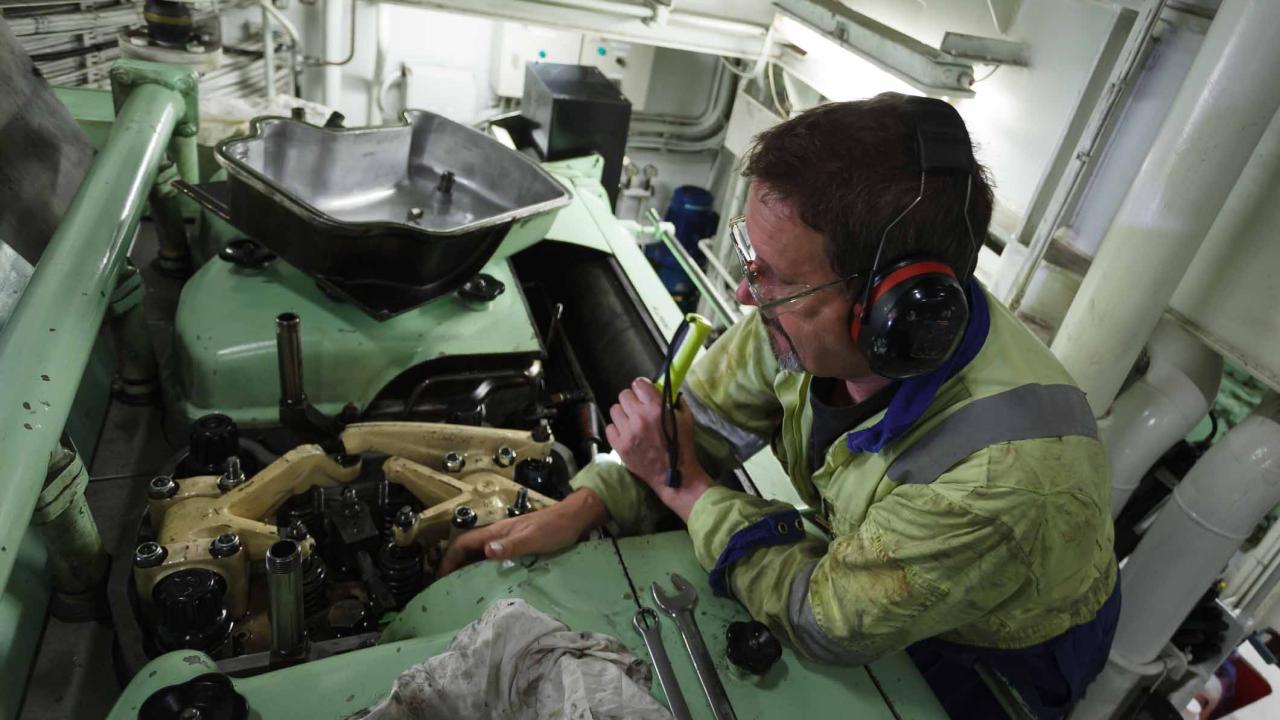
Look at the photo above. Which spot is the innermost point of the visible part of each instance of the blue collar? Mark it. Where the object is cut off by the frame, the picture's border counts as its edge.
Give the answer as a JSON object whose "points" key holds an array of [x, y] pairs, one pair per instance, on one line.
{"points": [[914, 395]]}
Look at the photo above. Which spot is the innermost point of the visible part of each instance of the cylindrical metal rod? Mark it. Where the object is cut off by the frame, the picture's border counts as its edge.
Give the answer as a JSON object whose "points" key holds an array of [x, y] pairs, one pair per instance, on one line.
{"points": [[1228, 99], [289, 354], [284, 590], [45, 346]]}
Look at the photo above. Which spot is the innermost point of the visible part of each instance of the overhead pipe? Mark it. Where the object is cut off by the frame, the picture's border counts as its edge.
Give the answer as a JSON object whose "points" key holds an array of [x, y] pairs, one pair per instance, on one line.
{"points": [[1212, 511], [1159, 408], [45, 345], [1227, 101]]}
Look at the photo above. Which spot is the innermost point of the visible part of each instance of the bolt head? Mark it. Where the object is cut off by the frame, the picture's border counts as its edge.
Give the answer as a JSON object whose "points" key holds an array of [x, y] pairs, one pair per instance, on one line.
{"points": [[542, 432], [162, 487], [149, 555], [464, 517], [296, 530], [405, 517], [454, 462], [505, 457], [225, 545]]}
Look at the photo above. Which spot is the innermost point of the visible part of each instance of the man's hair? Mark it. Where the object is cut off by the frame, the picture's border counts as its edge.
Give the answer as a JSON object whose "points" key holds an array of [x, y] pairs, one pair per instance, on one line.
{"points": [[849, 168]]}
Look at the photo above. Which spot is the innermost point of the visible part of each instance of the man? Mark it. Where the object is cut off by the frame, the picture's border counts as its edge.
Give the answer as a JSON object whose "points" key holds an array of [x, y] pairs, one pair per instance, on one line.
{"points": [[966, 506]]}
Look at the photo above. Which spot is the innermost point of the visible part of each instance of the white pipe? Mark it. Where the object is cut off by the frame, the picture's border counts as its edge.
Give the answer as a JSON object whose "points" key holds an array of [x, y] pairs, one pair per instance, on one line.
{"points": [[1228, 99], [1135, 51], [268, 52], [332, 47], [621, 9], [1159, 408], [1212, 511]]}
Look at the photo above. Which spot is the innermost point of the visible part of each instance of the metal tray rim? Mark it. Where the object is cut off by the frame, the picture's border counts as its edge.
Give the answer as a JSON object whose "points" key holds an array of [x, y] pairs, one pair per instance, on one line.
{"points": [[261, 183]]}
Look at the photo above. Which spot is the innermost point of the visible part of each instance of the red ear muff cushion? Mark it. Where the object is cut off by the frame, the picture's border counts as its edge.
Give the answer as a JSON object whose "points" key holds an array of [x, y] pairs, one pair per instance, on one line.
{"points": [[888, 282]]}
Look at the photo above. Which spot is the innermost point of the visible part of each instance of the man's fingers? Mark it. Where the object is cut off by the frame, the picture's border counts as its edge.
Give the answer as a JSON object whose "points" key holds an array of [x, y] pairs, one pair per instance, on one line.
{"points": [[513, 545], [469, 547], [630, 404], [611, 434], [646, 392], [618, 414]]}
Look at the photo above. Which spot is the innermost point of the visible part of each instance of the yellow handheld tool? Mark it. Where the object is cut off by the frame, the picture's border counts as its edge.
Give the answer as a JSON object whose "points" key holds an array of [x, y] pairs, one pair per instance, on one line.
{"points": [[680, 354], [689, 338]]}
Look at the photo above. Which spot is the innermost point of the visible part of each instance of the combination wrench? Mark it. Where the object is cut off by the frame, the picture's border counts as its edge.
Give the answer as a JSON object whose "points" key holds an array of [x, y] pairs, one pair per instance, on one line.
{"points": [[680, 606], [646, 621]]}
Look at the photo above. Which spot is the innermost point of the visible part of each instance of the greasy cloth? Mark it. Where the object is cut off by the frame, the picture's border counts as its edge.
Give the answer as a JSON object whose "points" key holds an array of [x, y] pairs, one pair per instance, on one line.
{"points": [[1009, 548], [518, 663]]}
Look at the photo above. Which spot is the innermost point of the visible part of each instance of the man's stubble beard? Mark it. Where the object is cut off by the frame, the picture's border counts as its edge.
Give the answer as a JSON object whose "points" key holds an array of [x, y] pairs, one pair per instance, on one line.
{"points": [[788, 359]]}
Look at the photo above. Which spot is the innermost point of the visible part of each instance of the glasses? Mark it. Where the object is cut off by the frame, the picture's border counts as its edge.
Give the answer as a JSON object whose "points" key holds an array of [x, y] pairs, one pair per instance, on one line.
{"points": [[771, 299]]}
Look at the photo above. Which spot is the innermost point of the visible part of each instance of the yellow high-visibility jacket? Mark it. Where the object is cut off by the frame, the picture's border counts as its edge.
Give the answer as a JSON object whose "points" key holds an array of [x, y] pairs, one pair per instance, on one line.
{"points": [[985, 521]]}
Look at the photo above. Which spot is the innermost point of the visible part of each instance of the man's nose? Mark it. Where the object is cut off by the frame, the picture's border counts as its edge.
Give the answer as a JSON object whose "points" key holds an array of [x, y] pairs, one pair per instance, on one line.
{"points": [[743, 293]]}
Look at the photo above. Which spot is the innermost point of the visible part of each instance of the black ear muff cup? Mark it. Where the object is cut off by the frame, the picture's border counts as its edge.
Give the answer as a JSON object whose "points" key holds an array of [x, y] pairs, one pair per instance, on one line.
{"points": [[915, 322]]}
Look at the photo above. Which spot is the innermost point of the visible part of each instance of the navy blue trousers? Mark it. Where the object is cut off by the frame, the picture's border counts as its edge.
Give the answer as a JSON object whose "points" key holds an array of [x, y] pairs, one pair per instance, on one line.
{"points": [[1050, 677]]}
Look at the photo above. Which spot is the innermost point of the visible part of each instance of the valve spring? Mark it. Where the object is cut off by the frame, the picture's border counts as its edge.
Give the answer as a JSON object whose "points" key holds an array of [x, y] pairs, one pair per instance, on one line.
{"points": [[315, 598], [302, 507], [401, 569]]}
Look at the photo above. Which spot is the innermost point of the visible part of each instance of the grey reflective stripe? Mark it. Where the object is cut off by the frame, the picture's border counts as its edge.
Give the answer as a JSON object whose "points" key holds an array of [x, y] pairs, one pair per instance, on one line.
{"points": [[745, 443], [811, 639], [1027, 412]]}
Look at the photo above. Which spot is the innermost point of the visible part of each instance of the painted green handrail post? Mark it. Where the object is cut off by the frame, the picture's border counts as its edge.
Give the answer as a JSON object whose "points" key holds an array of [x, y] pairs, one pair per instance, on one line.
{"points": [[45, 346]]}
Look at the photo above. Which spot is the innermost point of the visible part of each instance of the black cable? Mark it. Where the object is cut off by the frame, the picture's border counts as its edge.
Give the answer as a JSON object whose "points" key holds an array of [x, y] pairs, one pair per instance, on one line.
{"points": [[56, 55], [670, 428]]}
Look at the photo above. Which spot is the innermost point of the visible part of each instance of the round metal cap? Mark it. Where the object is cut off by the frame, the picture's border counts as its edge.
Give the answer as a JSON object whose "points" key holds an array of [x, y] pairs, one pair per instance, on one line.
{"points": [[225, 545], [162, 487], [464, 517], [454, 462], [405, 517], [505, 457], [149, 555]]}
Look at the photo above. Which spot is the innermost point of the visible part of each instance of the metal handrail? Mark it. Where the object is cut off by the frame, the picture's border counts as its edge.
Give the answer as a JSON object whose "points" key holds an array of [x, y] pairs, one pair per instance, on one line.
{"points": [[44, 348]]}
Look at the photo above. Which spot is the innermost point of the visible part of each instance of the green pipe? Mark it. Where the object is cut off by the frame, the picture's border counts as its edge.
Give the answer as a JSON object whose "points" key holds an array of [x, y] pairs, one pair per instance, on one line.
{"points": [[45, 345]]}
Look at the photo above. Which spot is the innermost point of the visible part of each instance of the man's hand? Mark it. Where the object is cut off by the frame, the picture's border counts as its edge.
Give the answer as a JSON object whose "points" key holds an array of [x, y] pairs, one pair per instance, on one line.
{"points": [[636, 434], [542, 531]]}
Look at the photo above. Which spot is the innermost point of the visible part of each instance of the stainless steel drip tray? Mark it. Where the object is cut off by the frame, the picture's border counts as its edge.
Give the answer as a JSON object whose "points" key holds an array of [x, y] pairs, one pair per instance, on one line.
{"points": [[423, 204]]}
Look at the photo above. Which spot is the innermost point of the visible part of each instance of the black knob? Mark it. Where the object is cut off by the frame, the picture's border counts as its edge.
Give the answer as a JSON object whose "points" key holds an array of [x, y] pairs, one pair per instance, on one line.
{"points": [[752, 647], [190, 610], [214, 438]]}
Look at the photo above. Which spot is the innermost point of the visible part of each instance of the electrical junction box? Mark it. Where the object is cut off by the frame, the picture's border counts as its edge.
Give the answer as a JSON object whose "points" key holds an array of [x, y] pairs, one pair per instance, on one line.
{"points": [[576, 110], [515, 45], [627, 65]]}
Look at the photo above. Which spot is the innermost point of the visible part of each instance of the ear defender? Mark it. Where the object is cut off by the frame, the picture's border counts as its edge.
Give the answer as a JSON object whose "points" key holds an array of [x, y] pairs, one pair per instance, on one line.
{"points": [[913, 314], [914, 320]]}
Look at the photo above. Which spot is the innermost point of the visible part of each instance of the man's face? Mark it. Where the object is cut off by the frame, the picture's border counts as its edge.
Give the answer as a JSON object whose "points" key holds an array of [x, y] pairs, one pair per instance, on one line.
{"points": [[813, 334]]}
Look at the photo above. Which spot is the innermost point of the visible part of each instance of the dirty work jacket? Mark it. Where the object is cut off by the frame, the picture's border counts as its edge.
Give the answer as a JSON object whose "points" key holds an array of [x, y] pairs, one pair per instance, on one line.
{"points": [[975, 508]]}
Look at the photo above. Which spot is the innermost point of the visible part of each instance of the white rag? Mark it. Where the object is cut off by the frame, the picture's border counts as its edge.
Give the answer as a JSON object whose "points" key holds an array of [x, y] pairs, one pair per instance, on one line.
{"points": [[518, 663]]}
